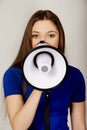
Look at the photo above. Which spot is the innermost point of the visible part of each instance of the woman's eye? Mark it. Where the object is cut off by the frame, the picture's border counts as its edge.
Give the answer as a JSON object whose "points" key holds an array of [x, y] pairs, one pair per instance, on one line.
{"points": [[35, 36], [51, 35]]}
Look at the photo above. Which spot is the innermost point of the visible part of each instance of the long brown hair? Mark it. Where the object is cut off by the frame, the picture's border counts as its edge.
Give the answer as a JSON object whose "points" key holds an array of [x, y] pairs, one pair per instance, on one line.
{"points": [[26, 44]]}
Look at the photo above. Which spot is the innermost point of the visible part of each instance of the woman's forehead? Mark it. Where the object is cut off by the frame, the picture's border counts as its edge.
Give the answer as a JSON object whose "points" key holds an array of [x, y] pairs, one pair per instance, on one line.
{"points": [[44, 25]]}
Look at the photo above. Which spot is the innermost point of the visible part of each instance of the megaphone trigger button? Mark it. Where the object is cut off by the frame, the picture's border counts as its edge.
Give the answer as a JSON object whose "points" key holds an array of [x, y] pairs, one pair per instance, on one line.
{"points": [[47, 94]]}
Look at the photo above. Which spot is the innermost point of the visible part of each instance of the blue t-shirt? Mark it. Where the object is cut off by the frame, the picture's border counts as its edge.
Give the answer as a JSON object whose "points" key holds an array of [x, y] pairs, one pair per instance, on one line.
{"points": [[72, 89]]}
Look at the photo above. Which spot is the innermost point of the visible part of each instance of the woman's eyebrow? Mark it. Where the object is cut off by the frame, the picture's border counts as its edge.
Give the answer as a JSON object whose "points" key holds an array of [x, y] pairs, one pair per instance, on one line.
{"points": [[52, 31], [35, 32], [47, 32]]}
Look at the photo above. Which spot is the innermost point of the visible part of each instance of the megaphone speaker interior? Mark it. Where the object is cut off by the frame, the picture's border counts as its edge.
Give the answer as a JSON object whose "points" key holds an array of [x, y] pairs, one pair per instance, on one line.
{"points": [[44, 67]]}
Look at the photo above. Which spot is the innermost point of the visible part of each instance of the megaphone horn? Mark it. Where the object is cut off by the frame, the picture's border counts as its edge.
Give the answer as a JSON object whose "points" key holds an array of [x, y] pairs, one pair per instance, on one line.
{"points": [[44, 67]]}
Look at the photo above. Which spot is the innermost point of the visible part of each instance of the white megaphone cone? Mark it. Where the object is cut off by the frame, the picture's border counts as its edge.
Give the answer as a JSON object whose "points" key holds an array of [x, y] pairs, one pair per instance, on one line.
{"points": [[44, 67]]}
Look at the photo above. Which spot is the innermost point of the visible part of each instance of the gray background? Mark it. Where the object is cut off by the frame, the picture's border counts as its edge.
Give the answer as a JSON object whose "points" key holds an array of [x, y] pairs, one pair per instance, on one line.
{"points": [[14, 15]]}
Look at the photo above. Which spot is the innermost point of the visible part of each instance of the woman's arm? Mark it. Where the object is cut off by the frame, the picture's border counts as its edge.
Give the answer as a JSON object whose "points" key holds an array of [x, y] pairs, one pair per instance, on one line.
{"points": [[21, 115], [78, 116]]}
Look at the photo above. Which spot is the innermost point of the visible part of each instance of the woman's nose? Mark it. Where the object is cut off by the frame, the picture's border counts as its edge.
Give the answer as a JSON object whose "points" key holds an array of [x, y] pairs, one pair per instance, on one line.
{"points": [[42, 41], [42, 38]]}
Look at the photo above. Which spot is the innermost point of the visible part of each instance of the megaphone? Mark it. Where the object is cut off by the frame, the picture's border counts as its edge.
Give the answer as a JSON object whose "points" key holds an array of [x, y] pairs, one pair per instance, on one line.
{"points": [[45, 67]]}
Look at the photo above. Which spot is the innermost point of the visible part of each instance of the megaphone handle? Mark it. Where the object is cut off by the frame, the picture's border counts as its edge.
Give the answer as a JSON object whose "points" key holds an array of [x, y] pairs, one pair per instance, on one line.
{"points": [[47, 112]]}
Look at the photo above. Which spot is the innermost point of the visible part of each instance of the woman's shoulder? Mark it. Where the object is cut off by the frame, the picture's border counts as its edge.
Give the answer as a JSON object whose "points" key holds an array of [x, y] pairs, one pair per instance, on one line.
{"points": [[13, 81], [13, 71], [77, 84], [76, 75], [74, 70]]}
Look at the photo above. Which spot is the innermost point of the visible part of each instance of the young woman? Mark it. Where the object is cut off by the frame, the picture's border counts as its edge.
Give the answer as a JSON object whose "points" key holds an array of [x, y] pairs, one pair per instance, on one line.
{"points": [[26, 109]]}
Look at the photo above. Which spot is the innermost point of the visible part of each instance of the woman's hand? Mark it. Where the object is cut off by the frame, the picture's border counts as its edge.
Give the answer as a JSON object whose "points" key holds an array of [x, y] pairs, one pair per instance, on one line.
{"points": [[21, 115]]}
